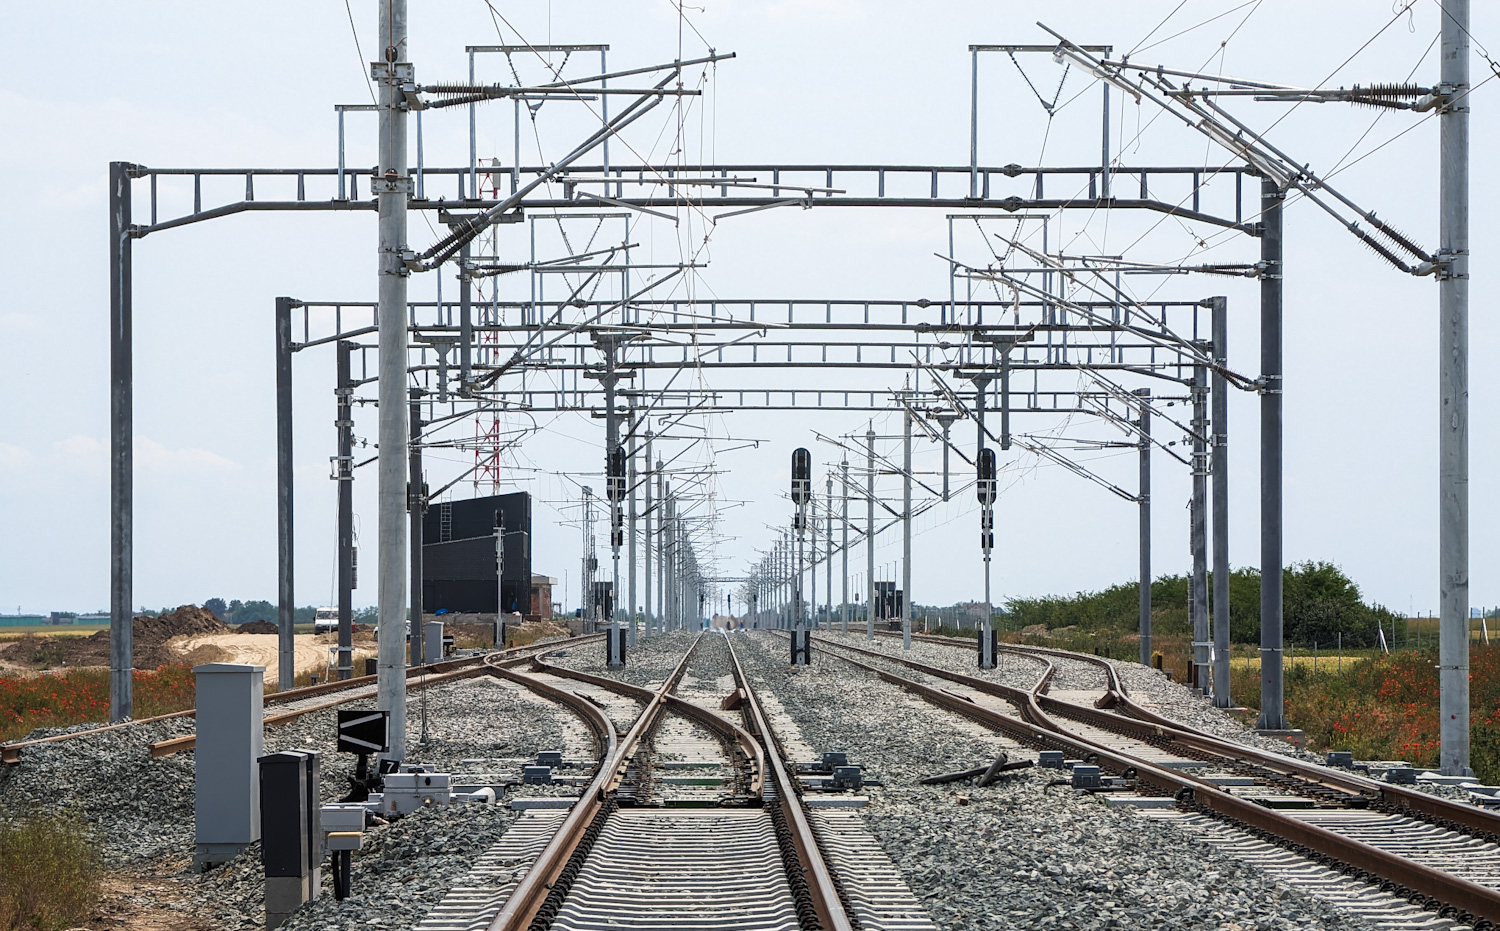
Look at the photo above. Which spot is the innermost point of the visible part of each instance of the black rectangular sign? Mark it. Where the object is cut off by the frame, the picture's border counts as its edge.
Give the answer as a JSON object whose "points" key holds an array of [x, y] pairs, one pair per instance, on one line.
{"points": [[362, 732]]}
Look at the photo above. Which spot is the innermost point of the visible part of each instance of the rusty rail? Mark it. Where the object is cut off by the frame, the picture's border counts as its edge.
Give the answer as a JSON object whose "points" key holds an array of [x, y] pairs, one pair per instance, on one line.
{"points": [[826, 900], [727, 730], [531, 894], [1468, 819], [1438, 889]]}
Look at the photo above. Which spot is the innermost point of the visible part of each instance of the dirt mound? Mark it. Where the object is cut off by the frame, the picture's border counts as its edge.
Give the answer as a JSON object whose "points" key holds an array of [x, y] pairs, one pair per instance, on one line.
{"points": [[188, 619], [148, 638], [518, 635], [257, 627]]}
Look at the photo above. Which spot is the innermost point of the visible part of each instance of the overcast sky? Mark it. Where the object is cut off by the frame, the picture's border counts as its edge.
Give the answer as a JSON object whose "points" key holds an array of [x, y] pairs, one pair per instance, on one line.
{"points": [[838, 81]]}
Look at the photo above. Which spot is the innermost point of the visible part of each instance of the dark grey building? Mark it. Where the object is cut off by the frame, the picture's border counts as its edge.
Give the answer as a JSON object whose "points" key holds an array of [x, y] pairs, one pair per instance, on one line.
{"points": [[458, 555]]}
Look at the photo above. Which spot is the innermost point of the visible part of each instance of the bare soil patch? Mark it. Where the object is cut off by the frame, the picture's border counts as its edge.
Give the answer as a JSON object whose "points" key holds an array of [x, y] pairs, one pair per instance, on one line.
{"points": [[148, 642], [311, 653]]}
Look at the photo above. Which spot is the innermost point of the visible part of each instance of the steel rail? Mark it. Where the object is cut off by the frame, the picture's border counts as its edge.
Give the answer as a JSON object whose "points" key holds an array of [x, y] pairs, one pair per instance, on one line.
{"points": [[1467, 819], [11, 752], [531, 894], [1437, 890], [820, 881], [727, 730], [173, 745]]}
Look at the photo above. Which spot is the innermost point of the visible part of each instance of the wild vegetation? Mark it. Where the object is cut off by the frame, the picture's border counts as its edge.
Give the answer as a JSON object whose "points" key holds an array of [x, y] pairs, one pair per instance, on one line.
{"points": [[1320, 604], [80, 696], [50, 875], [1377, 705]]}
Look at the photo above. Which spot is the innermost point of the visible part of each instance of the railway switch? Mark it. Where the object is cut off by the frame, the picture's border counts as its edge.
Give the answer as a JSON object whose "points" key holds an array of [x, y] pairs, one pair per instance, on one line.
{"points": [[1050, 759], [1086, 776]]}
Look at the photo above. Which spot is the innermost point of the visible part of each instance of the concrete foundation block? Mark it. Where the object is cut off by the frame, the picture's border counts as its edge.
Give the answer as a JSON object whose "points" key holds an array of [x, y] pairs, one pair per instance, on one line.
{"points": [[284, 895]]}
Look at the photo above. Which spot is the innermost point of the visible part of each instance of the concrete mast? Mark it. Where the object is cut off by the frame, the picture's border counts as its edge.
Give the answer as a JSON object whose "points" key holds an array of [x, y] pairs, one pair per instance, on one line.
{"points": [[828, 550], [630, 515], [1198, 527], [1272, 704], [1143, 498], [906, 531], [285, 564], [392, 187], [1220, 470], [344, 474], [646, 548], [844, 551], [121, 439], [870, 534], [1453, 390]]}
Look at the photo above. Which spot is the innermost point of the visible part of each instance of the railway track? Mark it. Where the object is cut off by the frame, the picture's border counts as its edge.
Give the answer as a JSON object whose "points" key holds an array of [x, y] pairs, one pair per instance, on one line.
{"points": [[1405, 848], [282, 707], [734, 844]]}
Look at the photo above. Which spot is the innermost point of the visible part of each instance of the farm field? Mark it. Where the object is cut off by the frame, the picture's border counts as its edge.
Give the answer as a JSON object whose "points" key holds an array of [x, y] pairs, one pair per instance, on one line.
{"points": [[50, 630]]}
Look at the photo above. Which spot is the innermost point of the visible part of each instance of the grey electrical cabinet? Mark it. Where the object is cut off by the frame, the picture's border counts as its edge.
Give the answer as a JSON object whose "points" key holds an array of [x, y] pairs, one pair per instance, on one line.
{"points": [[226, 785]]}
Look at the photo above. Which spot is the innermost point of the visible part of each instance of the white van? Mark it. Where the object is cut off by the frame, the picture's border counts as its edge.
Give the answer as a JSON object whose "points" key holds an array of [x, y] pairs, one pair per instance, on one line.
{"points": [[326, 621]]}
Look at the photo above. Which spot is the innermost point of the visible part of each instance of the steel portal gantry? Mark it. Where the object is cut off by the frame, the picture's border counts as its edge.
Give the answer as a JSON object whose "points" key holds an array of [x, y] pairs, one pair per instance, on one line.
{"points": [[393, 189]]}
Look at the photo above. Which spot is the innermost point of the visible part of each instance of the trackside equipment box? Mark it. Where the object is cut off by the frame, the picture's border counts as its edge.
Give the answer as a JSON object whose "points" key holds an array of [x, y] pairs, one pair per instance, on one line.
{"points": [[226, 789]]}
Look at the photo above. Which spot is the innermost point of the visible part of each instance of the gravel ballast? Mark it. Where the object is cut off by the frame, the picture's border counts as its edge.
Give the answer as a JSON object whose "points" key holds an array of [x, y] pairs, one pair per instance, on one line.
{"points": [[1018, 854], [138, 808]]}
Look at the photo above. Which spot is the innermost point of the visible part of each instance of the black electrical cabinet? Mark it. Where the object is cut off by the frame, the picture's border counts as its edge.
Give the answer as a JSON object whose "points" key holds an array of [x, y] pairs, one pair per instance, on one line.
{"points": [[291, 836], [889, 601]]}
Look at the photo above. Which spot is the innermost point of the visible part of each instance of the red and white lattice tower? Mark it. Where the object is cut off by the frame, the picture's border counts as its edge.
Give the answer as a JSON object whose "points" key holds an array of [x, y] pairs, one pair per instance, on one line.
{"points": [[487, 427]]}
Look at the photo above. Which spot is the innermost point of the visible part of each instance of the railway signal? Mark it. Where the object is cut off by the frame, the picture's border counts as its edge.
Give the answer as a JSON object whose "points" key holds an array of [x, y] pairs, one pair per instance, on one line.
{"points": [[801, 495], [614, 490], [986, 489], [362, 733]]}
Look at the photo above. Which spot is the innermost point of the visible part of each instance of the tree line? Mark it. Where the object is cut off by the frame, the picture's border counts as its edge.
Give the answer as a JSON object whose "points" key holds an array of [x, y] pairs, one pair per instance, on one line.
{"points": [[1319, 603], [238, 612]]}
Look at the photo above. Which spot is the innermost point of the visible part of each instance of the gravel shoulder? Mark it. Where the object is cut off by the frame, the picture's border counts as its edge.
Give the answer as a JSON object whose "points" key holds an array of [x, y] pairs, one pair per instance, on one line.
{"points": [[141, 810]]}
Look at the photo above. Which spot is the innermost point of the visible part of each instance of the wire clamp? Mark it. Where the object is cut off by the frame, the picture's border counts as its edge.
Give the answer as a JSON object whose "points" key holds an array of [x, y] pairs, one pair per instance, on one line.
{"points": [[391, 184]]}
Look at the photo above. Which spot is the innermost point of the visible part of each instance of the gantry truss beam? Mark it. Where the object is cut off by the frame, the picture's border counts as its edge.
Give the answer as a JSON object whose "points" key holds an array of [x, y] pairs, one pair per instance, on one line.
{"points": [[1214, 195], [1158, 340], [711, 401]]}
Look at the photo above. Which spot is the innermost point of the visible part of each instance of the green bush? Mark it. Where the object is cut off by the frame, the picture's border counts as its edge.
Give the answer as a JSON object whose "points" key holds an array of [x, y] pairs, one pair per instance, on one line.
{"points": [[49, 873], [1320, 603], [1484, 752]]}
